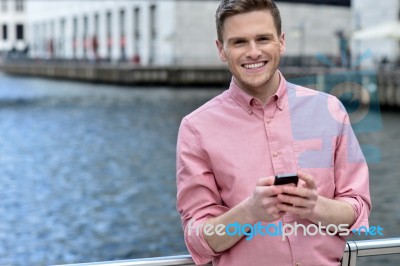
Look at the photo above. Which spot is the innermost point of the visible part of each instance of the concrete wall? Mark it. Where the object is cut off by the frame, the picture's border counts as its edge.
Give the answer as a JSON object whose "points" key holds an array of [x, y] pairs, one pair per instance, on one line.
{"points": [[196, 33], [311, 29]]}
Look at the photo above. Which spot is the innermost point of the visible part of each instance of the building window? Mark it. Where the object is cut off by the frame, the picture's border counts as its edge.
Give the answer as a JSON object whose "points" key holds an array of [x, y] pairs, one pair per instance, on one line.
{"points": [[122, 21], [136, 20], [122, 41], [4, 5], [75, 27], [20, 32], [52, 40], [5, 33], [96, 24], [109, 34], [85, 36], [62, 37], [153, 33], [74, 36], [95, 38], [19, 5], [136, 35], [44, 38]]}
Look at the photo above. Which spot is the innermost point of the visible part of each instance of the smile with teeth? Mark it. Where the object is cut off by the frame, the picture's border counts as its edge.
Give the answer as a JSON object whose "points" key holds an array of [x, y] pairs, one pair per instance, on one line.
{"points": [[255, 65]]}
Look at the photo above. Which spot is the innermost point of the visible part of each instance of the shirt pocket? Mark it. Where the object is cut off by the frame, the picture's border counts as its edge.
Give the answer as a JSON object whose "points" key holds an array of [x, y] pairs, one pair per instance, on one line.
{"points": [[312, 159]]}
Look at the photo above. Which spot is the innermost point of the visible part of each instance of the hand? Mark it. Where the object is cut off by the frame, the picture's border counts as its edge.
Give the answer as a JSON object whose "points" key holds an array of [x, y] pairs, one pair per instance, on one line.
{"points": [[299, 200], [261, 205]]}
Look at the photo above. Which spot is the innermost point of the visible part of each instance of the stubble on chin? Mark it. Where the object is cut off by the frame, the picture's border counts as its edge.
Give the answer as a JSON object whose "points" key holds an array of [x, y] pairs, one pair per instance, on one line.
{"points": [[256, 82]]}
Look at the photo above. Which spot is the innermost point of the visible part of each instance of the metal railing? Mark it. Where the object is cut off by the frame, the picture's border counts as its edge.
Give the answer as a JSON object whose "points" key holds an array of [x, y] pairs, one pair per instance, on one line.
{"points": [[181, 260], [366, 248], [353, 250]]}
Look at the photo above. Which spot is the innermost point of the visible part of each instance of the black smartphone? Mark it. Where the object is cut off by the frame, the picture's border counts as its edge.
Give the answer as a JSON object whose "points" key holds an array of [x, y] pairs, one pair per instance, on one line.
{"points": [[286, 179]]}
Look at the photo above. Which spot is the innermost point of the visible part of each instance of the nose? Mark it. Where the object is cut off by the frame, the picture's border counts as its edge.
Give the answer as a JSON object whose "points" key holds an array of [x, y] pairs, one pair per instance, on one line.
{"points": [[253, 51]]}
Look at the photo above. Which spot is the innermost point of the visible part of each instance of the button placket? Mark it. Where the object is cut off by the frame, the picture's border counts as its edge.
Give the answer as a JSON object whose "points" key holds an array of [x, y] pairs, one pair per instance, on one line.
{"points": [[273, 142]]}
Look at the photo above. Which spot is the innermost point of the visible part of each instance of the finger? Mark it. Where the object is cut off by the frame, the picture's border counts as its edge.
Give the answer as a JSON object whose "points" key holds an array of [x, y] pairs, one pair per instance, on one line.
{"points": [[285, 207], [269, 191], [293, 200], [291, 209], [282, 187], [299, 192], [266, 181], [288, 185], [308, 179]]}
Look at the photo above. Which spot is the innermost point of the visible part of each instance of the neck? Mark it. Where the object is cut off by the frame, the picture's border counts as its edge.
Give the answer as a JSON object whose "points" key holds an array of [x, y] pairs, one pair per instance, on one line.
{"points": [[263, 93]]}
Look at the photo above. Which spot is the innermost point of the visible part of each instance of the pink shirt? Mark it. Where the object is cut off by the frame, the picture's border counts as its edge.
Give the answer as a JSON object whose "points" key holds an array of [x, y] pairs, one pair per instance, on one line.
{"points": [[227, 144]]}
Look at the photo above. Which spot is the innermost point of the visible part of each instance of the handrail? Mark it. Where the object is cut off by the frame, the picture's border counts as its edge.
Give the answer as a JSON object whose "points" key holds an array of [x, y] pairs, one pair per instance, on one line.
{"points": [[365, 248], [353, 249], [179, 260]]}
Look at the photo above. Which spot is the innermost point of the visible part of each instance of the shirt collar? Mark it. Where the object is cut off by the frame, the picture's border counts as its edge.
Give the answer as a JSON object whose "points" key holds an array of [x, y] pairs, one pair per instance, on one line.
{"points": [[240, 97], [245, 100]]}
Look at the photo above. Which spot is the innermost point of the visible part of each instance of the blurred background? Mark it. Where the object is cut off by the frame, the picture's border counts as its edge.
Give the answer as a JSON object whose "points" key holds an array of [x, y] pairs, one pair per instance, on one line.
{"points": [[92, 94]]}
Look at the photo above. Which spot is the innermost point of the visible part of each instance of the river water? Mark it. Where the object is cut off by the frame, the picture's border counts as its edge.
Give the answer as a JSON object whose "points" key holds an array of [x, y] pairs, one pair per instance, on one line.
{"points": [[88, 171]]}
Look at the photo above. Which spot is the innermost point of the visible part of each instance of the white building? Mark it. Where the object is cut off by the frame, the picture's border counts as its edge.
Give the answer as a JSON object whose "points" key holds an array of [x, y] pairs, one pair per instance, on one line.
{"points": [[117, 30], [12, 25], [165, 32], [370, 13]]}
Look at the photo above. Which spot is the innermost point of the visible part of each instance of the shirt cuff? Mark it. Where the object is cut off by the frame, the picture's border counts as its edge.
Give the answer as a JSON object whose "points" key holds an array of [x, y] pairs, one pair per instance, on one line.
{"points": [[361, 212], [198, 247]]}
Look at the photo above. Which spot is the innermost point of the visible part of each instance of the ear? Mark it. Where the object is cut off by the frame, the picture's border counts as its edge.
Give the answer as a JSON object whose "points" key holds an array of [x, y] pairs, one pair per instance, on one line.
{"points": [[221, 51], [282, 43]]}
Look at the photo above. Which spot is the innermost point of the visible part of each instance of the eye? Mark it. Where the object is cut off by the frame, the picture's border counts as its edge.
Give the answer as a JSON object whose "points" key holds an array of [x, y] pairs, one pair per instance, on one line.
{"points": [[238, 42], [264, 39]]}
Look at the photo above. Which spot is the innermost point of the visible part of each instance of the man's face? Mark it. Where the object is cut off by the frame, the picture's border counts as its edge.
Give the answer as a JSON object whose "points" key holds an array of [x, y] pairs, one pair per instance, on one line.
{"points": [[252, 49]]}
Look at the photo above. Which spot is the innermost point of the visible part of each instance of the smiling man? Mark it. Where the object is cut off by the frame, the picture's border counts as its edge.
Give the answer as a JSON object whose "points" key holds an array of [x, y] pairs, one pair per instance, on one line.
{"points": [[251, 44], [230, 150]]}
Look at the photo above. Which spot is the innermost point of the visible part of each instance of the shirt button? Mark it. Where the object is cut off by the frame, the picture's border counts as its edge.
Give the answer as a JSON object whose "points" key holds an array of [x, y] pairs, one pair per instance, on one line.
{"points": [[298, 263], [275, 154], [268, 121]]}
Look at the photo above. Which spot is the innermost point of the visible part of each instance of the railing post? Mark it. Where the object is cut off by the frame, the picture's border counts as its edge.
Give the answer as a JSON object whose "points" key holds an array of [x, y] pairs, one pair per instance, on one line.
{"points": [[346, 256], [353, 250]]}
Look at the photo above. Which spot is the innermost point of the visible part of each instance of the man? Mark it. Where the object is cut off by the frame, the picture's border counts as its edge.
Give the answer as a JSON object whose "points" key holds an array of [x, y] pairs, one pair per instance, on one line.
{"points": [[230, 149]]}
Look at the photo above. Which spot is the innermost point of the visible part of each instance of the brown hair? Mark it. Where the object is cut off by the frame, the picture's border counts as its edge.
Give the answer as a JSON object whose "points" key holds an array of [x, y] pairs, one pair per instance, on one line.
{"points": [[229, 8]]}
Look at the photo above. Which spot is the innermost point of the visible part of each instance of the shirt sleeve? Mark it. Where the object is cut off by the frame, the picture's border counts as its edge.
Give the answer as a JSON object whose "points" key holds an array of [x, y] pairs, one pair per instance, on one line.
{"points": [[351, 174], [198, 197]]}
